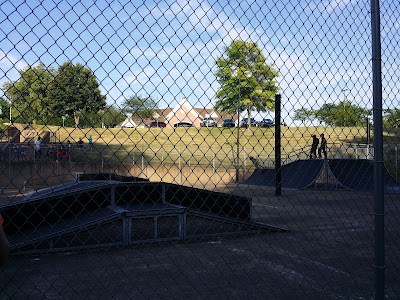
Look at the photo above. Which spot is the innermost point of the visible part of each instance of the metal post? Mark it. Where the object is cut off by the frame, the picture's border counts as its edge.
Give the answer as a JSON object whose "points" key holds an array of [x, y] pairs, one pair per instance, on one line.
{"points": [[378, 153], [244, 162], [368, 137], [397, 161], [278, 174], [238, 137]]}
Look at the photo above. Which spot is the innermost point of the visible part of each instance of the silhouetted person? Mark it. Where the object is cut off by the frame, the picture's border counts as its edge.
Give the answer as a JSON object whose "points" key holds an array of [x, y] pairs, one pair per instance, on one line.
{"points": [[322, 147], [314, 146], [80, 143]]}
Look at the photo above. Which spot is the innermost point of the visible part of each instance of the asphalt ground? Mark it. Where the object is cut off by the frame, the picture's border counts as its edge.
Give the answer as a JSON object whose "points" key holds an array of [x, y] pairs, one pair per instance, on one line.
{"points": [[328, 253]]}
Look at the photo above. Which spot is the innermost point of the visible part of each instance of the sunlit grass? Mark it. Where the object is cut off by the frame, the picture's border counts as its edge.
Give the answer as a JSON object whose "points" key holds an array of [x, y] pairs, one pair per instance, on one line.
{"points": [[201, 146]]}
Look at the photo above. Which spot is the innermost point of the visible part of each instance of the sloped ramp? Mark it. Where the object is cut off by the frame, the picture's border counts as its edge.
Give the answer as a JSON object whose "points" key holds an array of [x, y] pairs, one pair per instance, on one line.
{"points": [[358, 174], [296, 175], [110, 213], [352, 174]]}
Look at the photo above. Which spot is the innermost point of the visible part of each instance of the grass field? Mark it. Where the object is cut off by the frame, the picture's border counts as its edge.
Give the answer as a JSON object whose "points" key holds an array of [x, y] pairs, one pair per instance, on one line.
{"points": [[216, 146], [203, 144]]}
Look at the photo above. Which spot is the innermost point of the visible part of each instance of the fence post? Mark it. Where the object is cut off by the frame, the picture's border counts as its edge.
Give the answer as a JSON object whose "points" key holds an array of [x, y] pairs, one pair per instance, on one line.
{"points": [[278, 153], [102, 161], [244, 163], [143, 161], [179, 164], [395, 154]]}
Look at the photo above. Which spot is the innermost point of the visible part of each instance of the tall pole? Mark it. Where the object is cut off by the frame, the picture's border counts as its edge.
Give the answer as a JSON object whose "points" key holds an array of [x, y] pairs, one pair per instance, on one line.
{"points": [[238, 136], [278, 154], [379, 209]]}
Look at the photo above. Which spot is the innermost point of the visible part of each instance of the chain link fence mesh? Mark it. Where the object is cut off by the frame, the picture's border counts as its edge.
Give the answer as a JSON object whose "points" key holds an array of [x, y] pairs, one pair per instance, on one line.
{"points": [[139, 159]]}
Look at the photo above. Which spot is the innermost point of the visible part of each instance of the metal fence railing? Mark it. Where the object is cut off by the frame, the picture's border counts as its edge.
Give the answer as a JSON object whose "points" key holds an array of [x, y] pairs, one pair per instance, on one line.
{"points": [[161, 150]]}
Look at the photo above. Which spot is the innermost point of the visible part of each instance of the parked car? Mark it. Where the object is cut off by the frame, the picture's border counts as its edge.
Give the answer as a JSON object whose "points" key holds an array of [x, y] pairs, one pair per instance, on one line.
{"points": [[208, 122], [156, 124], [183, 124], [266, 123], [228, 123], [244, 122]]}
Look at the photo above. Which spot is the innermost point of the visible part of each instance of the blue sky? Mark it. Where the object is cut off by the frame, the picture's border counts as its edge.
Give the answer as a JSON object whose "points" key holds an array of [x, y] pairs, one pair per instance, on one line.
{"points": [[167, 49]]}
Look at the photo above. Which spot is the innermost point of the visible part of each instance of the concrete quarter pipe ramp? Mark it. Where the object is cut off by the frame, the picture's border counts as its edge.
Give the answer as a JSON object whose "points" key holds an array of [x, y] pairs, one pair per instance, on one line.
{"points": [[353, 174]]}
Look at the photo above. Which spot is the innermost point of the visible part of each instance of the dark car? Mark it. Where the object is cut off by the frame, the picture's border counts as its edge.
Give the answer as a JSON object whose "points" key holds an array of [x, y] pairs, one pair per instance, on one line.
{"points": [[156, 124], [245, 123], [266, 123], [228, 123], [183, 124]]}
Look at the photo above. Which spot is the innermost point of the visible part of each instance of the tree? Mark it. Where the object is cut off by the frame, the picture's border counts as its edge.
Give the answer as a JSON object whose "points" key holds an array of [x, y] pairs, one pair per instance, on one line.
{"points": [[342, 114], [29, 95], [327, 114], [4, 111], [75, 91], [304, 115], [243, 74], [391, 118], [142, 107]]}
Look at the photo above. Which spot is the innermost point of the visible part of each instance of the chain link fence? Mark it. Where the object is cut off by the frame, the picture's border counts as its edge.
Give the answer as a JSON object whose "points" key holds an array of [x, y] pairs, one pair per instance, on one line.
{"points": [[199, 149]]}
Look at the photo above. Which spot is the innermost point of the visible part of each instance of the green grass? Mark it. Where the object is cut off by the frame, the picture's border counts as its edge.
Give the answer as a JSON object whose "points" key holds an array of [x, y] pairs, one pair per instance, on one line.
{"points": [[200, 146]]}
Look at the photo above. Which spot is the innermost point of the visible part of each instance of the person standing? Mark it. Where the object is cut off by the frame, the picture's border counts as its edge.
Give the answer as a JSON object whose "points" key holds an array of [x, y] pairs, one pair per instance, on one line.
{"points": [[60, 152], [68, 151], [51, 152], [322, 147], [23, 151], [314, 146], [16, 152], [90, 140], [38, 150]]}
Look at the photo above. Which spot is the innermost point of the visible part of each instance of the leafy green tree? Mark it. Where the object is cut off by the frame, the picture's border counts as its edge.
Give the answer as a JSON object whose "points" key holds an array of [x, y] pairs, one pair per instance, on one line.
{"points": [[243, 74], [391, 118], [110, 116], [4, 111], [142, 107], [29, 95], [304, 115], [327, 114], [342, 114], [75, 91]]}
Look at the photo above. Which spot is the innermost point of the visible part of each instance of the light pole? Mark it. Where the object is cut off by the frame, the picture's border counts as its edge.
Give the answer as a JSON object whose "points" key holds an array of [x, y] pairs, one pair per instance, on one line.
{"points": [[63, 118]]}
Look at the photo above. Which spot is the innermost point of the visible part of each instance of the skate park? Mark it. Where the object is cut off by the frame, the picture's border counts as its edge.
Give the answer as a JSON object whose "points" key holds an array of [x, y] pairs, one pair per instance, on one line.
{"points": [[346, 174]]}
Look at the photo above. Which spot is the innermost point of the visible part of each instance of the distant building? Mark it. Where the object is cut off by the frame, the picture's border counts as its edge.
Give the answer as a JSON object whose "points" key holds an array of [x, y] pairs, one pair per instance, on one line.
{"points": [[184, 112], [127, 123]]}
